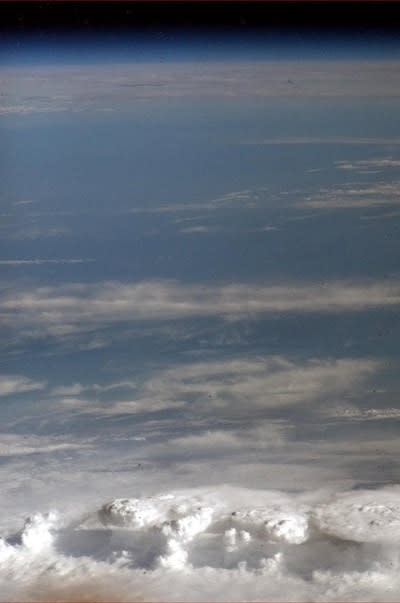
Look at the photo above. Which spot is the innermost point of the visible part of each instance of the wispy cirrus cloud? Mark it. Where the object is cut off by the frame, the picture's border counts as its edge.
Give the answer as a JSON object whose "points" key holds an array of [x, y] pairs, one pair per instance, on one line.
{"points": [[81, 315], [78, 388], [101, 87], [135, 406], [45, 261], [219, 440], [214, 443], [369, 414], [354, 196], [16, 384], [241, 387], [77, 308], [247, 198], [381, 216], [32, 233], [14, 445], [199, 229], [27, 107], [368, 164], [289, 140]]}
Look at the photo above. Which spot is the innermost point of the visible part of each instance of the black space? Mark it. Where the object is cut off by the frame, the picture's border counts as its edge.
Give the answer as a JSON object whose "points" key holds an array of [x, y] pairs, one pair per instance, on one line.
{"points": [[93, 16]]}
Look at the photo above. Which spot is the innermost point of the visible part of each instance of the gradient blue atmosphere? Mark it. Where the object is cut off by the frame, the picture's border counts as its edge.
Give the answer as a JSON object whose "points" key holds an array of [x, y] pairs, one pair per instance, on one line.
{"points": [[199, 317]]}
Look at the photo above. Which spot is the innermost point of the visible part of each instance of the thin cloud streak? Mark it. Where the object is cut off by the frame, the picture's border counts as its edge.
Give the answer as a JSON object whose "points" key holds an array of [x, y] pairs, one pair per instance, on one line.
{"points": [[235, 199], [260, 382], [368, 164], [380, 194], [216, 442], [100, 88], [234, 388], [370, 414], [323, 140], [16, 384], [74, 308], [78, 388], [45, 261], [13, 445]]}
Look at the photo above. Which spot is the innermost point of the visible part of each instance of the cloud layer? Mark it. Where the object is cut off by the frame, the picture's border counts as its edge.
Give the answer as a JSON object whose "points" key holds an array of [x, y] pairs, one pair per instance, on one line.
{"points": [[72, 88], [43, 261], [16, 384], [367, 165], [73, 308], [12, 445], [355, 196], [224, 544], [241, 387]]}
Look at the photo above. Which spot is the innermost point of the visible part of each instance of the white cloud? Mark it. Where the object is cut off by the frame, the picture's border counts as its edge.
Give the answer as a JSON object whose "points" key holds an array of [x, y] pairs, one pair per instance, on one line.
{"points": [[368, 164], [76, 308], [140, 405], [268, 228], [215, 544], [26, 108], [247, 198], [324, 140], [103, 87], [341, 449], [243, 385], [198, 229], [78, 388], [72, 402], [209, 441], [212, 443], [16, 384], [232, 389], [369, 414], [69, 390], [18, 445], [44, 261], [381, 216], [380, 194], [24, 233], [243, 198]]}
